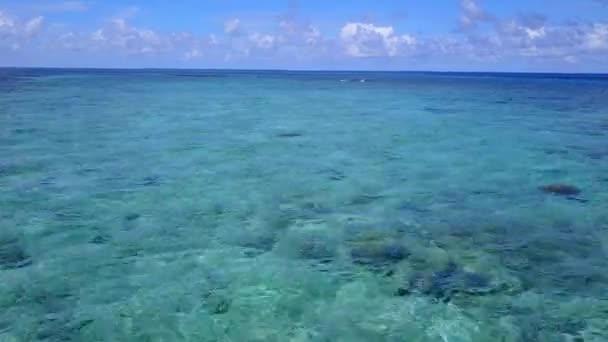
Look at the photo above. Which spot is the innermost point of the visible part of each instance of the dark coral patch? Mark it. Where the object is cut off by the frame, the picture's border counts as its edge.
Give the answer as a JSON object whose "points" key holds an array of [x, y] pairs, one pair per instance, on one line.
{"points": [[132, 216], [373, 254], [561, 189], [378, 252], [452, 280], [289, 135], [12, 254]]}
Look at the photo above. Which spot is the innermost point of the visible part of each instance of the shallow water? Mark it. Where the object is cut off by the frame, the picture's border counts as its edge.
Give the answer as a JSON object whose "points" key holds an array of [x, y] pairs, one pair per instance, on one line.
{"points": [[165, 205]]}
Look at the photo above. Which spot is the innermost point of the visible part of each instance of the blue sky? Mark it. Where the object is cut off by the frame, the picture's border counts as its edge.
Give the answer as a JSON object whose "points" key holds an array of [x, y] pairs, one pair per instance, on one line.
{"points": [[467, 35]]}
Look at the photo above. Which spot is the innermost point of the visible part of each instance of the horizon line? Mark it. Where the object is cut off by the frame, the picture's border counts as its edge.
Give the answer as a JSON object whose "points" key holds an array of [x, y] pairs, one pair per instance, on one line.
{"points": [[310, 70]]}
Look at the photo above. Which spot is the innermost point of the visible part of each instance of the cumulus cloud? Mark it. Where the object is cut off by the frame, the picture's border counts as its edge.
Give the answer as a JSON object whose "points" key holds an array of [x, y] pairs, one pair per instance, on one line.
{"points": [[15, 32], [562, 40], [33, 25], [7, 24], [118, 37], [597, 37], [528, 37], [118, 34], [262, 41], [369, 40], [291, 39], [193, 53], [231, 26], [295, 32], [472, 13]]}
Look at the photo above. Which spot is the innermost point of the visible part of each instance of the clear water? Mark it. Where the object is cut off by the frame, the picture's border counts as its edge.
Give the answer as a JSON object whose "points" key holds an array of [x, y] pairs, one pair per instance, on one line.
{"points": [[274, 206]]}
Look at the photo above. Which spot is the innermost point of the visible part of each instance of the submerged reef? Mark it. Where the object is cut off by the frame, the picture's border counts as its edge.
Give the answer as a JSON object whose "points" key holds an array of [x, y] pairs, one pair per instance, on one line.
{"points": [[449, 282], [12, 253], [561, 189]]}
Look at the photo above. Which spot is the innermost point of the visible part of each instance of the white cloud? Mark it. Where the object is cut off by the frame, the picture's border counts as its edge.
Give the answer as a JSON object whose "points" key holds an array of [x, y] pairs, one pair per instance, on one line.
{"points": [[16, 33], [312, 35], [471, 9], [195, 47], [291, 40], [262, 41], [530, 38], [232, 26], [118, 37], [33, 25], [472, 13], [119, 34], [6, 22], [294, 32], [597, 37], [534, 39], [369, 40], [535, 33], [213, 40], [69, 41], [193, 54]]}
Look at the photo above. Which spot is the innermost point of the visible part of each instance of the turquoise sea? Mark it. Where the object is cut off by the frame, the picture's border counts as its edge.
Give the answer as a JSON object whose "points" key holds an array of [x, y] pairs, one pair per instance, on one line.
{"points": [[180, 205]]}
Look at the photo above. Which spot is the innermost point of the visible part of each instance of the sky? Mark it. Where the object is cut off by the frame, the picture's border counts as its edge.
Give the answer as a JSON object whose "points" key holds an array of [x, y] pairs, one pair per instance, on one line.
{"points": [[439, 35]]}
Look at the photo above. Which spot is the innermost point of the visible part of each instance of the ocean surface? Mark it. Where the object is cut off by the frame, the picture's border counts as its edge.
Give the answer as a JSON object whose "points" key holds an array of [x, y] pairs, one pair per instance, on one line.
{"points": [[180, 205]]}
